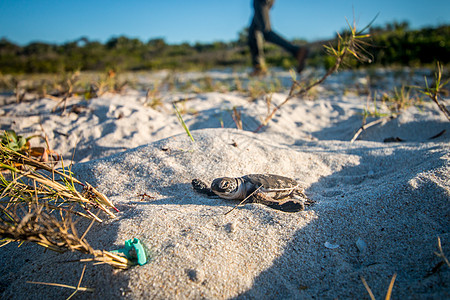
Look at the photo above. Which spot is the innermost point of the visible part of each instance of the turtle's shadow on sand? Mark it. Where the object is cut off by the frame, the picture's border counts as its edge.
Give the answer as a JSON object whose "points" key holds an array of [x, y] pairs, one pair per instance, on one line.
{"points": [[184, 194]]}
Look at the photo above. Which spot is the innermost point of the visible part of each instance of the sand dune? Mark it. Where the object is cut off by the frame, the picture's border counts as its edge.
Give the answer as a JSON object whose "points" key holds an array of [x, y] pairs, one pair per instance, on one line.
{"points": [[379, 206]]}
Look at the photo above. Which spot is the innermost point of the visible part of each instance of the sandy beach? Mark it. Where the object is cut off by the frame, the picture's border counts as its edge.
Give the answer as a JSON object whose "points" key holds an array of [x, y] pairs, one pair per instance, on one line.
{"points": [[380, 206]]}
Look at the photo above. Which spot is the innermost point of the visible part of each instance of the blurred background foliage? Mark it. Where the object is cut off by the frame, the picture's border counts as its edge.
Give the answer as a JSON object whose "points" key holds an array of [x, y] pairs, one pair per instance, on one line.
{"points": [[393, 44]]}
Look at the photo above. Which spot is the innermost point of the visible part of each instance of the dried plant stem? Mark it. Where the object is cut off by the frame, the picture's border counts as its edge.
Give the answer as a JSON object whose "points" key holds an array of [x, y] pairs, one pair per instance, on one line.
{"points": [[368, 125], [82, 289], [441, 253], [349, 46], [77, 288], [435, 92], [304, 90], [243, 201], [371, 295], [391, 286], [389, 291], [443, 109], [300, 93]]}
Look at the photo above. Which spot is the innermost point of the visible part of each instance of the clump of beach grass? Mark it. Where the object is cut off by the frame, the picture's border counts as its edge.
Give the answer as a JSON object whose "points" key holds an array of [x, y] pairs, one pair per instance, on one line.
{"points": [[108, 82], [237, 118], [435, 90], [33, 181], [257, 88], [153, 97], [26, 179], [400, 99], [373, 112], [38, 224], [38, 203]]}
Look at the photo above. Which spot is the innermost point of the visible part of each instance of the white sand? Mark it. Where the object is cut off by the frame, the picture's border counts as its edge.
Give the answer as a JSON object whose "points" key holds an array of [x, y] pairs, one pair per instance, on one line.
{"points": [[382, 204]]}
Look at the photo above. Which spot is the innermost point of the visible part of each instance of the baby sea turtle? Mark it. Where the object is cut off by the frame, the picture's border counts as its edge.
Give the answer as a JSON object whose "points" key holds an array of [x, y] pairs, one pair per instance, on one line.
{"points": [[275, 191]]}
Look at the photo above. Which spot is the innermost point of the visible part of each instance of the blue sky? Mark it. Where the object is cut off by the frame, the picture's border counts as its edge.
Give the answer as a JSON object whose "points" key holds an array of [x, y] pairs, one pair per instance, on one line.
{"points": [[59, 21]]}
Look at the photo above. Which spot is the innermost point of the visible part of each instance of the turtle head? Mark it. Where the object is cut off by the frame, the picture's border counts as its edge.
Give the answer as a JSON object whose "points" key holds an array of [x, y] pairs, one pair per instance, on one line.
{"points": [[225, 187]]}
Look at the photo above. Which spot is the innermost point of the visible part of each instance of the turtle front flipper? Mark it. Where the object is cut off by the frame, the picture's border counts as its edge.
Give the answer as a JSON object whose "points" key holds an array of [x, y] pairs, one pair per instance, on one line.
{"points": [[201, 187], [289, 205], [301, 197]]}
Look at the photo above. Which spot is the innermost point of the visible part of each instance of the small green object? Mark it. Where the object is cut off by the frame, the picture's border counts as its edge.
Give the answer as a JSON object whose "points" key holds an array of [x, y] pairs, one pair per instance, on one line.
{"points": [[180, 118], [133, 251]]}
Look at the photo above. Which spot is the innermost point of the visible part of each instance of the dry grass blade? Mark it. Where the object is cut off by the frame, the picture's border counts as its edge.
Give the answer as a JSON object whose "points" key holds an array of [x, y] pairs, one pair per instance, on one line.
{"points": [[441, 253], [243, 201], [77, 288], [389, 291], [79, 283], [391, 286], [368, 288], [114, 260], [236, 115], [82, 289], [368, 125]]}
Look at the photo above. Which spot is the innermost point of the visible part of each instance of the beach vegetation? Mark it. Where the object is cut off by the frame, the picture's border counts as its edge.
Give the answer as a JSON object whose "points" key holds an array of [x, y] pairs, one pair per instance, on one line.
{"points": [[183, 124], [258, 88], [392, 105], [76, 289], [436, 90], [38, 203], [396, 44], [372, 108], [20, 144], [237, 119], [442, 256], [350, 46], [400, 99], [54, 187], [153, 97]]}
